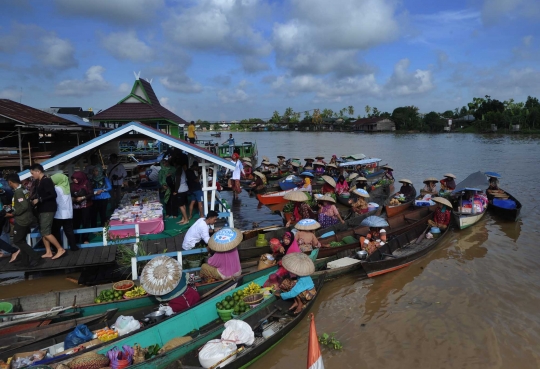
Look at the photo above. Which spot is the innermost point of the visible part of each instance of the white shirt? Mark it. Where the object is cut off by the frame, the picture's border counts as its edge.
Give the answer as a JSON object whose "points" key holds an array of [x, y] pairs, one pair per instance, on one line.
{"points": [[65, 206], [183, 183], [120, 171], [154, 173], [238, 169], [197, 232]]}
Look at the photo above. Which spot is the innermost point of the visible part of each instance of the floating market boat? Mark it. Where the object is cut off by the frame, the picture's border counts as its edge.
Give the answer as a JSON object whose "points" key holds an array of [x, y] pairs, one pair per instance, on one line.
{"points": [[465, 212], [393, 210], [373, 168], [503, 204], [290, 182], [272, 198], [245, 150]]}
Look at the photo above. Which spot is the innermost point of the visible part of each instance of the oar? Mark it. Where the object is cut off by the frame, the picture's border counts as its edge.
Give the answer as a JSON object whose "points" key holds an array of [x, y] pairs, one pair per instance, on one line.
{"points": [[215, 288], [421, 237], [227, 357]]}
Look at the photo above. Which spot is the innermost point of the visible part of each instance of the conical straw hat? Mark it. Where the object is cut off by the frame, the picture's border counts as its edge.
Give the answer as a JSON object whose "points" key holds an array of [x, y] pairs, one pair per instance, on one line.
{"points": [[225, 239], [319, 157], [449, 175], [295, 164], [326, 198], [442, 200], [309, 159], [298, 196], [247, 164], [404, 180], [353, 176], [388, 167], [161, 275], [298, 263], [307, 225], [361, 192], [361, 179], [246, 159], [280, 156], [329, 180], [265, 162], [259, 174], [266, 158], [272, 165], [332, 165], [431, 179]]}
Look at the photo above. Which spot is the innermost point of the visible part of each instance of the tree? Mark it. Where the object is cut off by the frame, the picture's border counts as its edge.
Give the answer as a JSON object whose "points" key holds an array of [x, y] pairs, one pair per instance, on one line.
{"points": [[448, 114], [376, 112], [317, 118], [534, 116], [342, 112], [463, 112], [350, 110], [532, 102], [434, 122], [406, 118], [327, 113], [276, 118], [486, 105], [368, 110], [288, 114]]}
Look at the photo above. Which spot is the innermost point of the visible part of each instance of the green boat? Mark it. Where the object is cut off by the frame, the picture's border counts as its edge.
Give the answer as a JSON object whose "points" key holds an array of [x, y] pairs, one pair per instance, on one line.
{"points": [[245, 150]]}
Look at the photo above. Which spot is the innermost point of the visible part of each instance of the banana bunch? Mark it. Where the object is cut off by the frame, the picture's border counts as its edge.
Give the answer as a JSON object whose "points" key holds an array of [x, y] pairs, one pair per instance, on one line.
{"points": [[251, 289], [135, 292]]}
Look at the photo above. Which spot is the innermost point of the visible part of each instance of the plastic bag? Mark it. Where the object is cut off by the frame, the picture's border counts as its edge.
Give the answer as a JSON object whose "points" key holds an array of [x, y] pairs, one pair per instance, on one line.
{"points": [[214, 351], [126, 324], [167, 309], [239, 332], [80, 335]]}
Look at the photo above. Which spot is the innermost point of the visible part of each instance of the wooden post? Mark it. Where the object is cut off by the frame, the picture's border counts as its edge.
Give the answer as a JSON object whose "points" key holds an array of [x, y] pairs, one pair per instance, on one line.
{"points": [[29, 153], [20, 149]]}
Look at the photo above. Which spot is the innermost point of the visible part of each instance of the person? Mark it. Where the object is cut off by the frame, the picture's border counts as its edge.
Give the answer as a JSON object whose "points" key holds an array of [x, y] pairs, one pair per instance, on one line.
{"points": [[264, 166], [273, 168], [101, 186], [6, 196], [388, 173], [153, 173], [361, 183], [89, 169], [494, 186], [192, 135], [430, 187], [360, 206], [319, 169], [406, 189], [116, 174], [342, 186], [375, 238], [293, 167], [199, 231], [260, 181], [167, 170], [328, 213], [247, 170], [281, 161], [286, 246], [328, 186], [305, 236], [24, 219], [320, 159], [442, 214], [343, 172], [360, 169], [230, 142], [307, 185], [301, 210], [195, 188], [45, 201], [64, 213], [81, 196], [225, 261], [448, 183], [237, 172], [300, 287], [179, 186]]}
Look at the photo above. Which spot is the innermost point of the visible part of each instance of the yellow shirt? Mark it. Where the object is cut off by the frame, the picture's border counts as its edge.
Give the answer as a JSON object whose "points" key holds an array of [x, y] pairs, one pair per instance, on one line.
{"points": [[191, 131]]}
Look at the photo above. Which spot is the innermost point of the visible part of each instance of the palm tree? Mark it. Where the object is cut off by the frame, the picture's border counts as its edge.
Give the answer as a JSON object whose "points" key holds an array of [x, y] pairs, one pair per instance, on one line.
{"points": [[368, 109], [350, 110]]}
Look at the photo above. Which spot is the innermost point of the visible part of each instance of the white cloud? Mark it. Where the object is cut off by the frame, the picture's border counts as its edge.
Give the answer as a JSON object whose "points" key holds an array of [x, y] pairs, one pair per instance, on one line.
{"points": [[126, 45], [93, 81], [164, 101], [180, 82], [56, 52], [494, 10], [402, 82], [236, 95], [124, 88], [527, 40], [11, 93], [117, 11]]}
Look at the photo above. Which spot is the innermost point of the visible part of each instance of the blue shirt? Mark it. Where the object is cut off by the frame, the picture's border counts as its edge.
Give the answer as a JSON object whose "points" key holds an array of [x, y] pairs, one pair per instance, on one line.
{"points": [[231, 141], [107, 187], [302, 284]]}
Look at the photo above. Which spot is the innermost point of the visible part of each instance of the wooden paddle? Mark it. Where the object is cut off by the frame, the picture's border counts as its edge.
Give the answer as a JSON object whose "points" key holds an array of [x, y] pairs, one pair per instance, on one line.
{"points": [[227, 357], [215, 288], [421, 237]]}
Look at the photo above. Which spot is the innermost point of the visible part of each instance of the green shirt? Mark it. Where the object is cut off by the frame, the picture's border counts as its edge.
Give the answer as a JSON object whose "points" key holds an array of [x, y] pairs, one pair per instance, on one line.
{"points": [[22, 209]]}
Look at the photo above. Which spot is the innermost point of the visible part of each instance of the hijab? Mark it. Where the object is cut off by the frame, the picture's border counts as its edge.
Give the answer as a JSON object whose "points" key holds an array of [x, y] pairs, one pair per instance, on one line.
{"points": [[307, 182], [62, 181], [98, 181], [293, 247], [82, 183]]}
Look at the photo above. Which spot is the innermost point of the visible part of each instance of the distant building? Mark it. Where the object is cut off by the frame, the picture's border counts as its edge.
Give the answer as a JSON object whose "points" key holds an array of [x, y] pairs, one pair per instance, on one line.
{"points": [[78, 111], [373, 124]]}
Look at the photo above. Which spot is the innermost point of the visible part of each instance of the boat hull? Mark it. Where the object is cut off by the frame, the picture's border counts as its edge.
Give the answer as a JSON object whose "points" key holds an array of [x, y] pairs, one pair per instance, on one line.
{"points": [[392, 211], [273, 198], [464, 221], [507, 214]]}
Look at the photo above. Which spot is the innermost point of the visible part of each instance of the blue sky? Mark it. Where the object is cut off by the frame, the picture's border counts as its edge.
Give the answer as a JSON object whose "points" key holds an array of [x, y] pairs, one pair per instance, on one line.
{"points": [[227, 59]]}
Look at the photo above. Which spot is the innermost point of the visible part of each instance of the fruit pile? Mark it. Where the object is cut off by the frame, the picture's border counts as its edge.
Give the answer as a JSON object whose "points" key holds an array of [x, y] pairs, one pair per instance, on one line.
{"points": [[251, 289], [108, 296], [135, 292], [234, 303], [106, 334]]}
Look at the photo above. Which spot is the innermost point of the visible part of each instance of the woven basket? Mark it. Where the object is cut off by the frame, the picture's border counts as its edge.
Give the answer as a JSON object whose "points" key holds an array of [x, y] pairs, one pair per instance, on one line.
{"points": [[120, 286], [264, 262], [253, 299]]}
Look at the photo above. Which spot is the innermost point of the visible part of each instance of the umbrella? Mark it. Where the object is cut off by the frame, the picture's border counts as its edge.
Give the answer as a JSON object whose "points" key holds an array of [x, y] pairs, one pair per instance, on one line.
{"points": [[374, 221], [329, 180], [493, 174], [430, 179], [307, 225], [307, 174], [326, 198], [161, 275], [298, 196], [449, 175], [442, 201], [225, 239], [404, 180], [361, 192], [298, 263]]}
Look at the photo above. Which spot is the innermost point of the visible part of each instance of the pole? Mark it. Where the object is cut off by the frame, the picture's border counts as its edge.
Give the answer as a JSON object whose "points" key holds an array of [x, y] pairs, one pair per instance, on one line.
{"points": [[29, 153], [20, 149]]}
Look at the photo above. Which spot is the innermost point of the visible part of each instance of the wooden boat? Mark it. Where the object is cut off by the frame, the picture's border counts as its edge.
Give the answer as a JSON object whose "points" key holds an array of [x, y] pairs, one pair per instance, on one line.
{"points": [[244, 149], [502, 212], [290, 182], [464, 216], [16, 326], [392, 211], [343, 199], [34, 338], [271, 198], [218, 134], [400, 251], [465, 220]]}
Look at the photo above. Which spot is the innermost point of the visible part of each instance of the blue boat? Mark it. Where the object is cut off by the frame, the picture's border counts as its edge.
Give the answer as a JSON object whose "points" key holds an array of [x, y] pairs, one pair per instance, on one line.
{"points": [[290, 182]]}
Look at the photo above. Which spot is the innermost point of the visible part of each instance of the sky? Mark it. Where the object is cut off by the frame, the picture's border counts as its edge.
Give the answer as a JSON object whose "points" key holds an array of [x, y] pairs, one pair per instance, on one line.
{"points": [[237, 59]]}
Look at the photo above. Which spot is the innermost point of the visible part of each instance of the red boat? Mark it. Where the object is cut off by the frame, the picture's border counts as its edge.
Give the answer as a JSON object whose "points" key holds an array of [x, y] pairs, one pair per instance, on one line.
{"points": [[271, 198]]}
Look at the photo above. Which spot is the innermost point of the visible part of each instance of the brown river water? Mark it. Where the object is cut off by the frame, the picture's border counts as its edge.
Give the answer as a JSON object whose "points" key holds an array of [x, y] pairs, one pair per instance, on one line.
{"points": [[471, 303]]}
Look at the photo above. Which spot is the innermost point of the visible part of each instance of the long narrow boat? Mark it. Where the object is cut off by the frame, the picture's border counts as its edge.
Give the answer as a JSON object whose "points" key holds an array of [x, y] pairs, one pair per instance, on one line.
{"points": [[464, 212], [465, 220], [400, 252], [503, 208], [290, 182], [395, 210], [271, 198]]}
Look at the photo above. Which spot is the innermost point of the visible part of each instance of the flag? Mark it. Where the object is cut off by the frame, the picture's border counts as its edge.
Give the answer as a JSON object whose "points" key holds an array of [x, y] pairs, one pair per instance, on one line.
{"points": [[314, 360]]}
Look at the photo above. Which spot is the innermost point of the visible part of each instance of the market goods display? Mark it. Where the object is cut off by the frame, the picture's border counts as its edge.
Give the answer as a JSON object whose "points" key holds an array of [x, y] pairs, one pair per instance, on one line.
{"points": [[106, 334], [90, 360], [120, 292], [135, 292]]}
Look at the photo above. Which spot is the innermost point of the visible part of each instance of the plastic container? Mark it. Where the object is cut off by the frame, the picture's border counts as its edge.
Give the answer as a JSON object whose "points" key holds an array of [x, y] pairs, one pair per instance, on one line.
{"points": [[261, 241], [435, 231], [225, 315], [6, 307]]}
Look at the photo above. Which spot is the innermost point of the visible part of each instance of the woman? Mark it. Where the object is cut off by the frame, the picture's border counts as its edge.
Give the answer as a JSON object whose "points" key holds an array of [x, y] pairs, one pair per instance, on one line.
{"points": [[388, 173], [307, 185], [305, 237], [361, 183], [248, 172], [333, 160], [301, 210], [225, 263], [328, 213], [279, 249], [360, 206], [101, 188], [319, 169], [63, 218], [406, 190], [329, 185], [448, 183], [273, 168], [373, 240], [167, 170], [281, 161], [81, 197], [342, 186], [301, 287], [494, 186], [332, 170], [443, 213], [293, 167], [237, 172], [180, 191], [260, 181], [430, 187]]}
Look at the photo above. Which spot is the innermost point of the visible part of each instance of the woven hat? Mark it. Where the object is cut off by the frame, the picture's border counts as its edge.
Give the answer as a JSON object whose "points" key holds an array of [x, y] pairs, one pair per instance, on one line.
{"points": [[225, 239], [161, 275], [308, 167], [298, 196], [319, 157], [387, 167], [246, 159], [247, 163], [449, 175], [404, 180], [266, 162], [298, 159], [329, 180], [295, 164], [266, 158], [309, 159], [361, 192], [326, 198], [259, 174], [298, 263], [361, 179], [431, 179], [353, 176], [442, 200], [280, 156], [332, 165], [307, 225], [272, 165]]}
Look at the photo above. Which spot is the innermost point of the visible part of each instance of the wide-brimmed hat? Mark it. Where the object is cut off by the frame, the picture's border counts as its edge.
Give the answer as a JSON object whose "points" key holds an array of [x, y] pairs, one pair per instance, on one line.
{"points": [[272, 165], [307, 174], [295, 164], [361, 179], [247, 164], [266, 158], [298, 263], [352, 176], [387, 167], [374, 221], [266, 162], [329, 180], [309, 159], [442, 200], [449, 175], [332, 165], [430, 179], [225, 239], [319, 163], [259, 174], [307, 225], [405, 180], [326, 198], [298, 196], [161, 275], [319, 157], [246, 159], [361, 192], [295, 159], [308, 168], [280, 156]]}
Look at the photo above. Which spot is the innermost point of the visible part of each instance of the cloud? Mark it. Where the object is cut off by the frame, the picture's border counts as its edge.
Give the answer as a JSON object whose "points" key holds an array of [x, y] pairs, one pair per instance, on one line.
{"points": [[222, 80], [164, 101], [93, 81], [126, 45], [124, 88], [494, 11], [180, 82], [10, 92], [235, 95], [56, 52], [117, 11], [515, 83], [402, 82]]}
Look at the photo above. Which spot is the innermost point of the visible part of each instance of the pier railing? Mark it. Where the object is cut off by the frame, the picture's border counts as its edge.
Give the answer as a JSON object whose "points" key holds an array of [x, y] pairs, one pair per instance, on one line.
{"points": [[177, 254]]}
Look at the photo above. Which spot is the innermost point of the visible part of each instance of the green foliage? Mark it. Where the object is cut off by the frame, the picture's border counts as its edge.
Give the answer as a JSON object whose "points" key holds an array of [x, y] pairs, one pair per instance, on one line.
{"points": [[330, 341], [406, 118]]}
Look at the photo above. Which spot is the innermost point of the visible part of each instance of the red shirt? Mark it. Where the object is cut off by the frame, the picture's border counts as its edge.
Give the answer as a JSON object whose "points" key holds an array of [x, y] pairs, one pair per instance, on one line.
{"points": [[441, 217]]}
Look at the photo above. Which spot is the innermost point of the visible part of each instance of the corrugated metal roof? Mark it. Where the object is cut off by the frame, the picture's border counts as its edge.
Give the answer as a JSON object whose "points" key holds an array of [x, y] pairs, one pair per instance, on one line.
{"points": [[139, 128], [75, 119], [25, 114]]}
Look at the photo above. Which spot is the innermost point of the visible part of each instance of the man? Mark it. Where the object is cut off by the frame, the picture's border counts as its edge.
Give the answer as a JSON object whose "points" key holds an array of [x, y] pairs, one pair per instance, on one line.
{"points": [[24, 218], [230, 142], [199, 231], [195, 189], [192, 135], [45, 201], [116, 174]]}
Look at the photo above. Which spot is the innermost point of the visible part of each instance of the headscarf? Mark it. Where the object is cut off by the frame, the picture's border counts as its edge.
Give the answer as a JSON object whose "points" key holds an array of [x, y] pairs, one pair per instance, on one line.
{"points": [[82, 183], [99, 176], [227, 263], [341, 178], [62, 181], [293, 247], [307, 182]]}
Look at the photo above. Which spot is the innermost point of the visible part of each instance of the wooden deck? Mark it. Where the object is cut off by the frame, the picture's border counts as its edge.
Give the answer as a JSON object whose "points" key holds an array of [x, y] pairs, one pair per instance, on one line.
{"points": [[171, 244]]}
